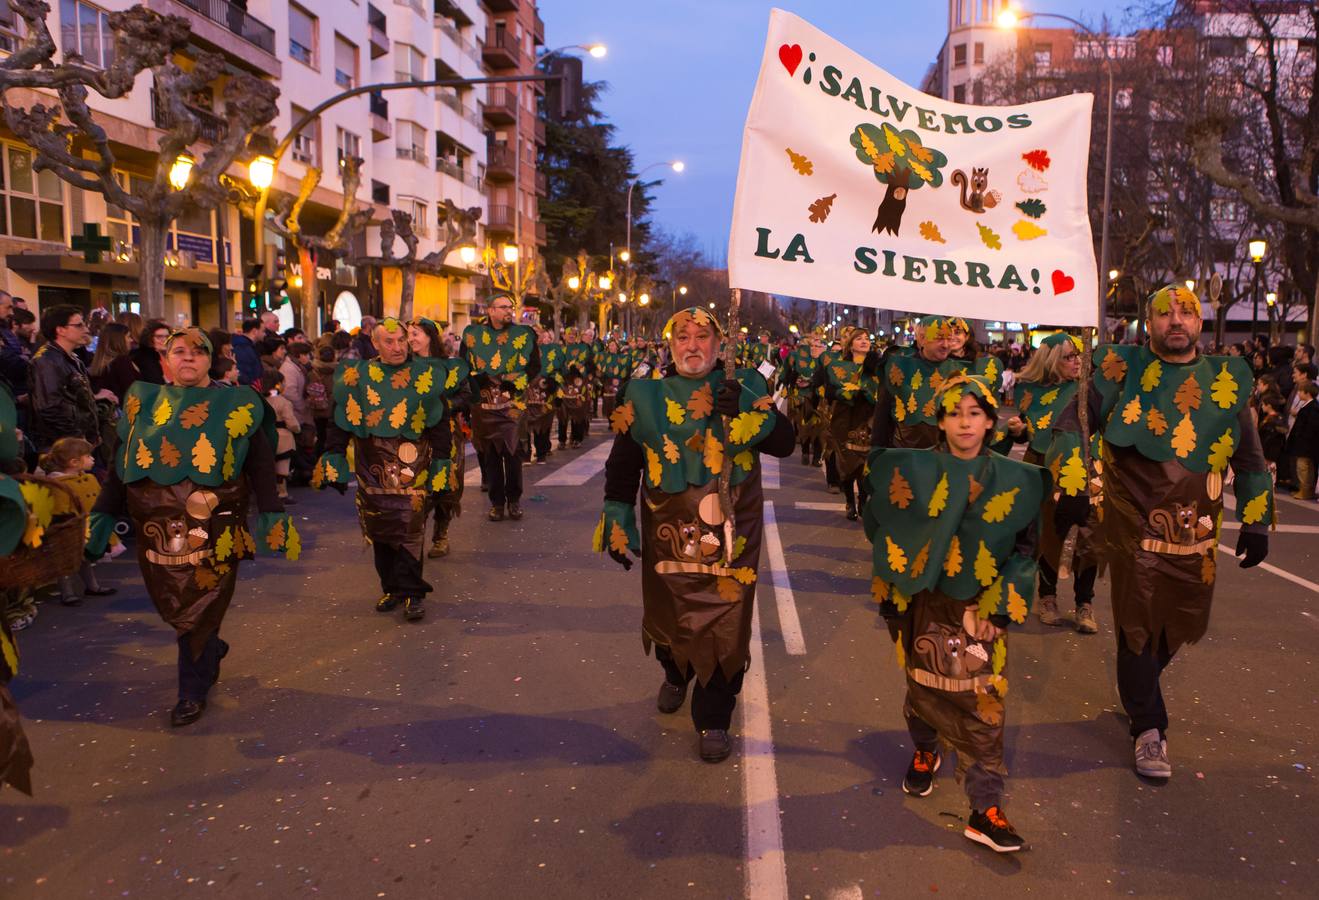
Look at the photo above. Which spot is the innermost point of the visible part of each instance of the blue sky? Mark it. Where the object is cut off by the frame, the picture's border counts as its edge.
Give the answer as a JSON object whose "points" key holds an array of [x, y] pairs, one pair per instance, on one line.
{"points": [[681, 74]]}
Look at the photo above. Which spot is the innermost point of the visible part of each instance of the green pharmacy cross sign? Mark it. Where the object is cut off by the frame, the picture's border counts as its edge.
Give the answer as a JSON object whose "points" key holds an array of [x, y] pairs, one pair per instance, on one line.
{"points": [[91, 242]]}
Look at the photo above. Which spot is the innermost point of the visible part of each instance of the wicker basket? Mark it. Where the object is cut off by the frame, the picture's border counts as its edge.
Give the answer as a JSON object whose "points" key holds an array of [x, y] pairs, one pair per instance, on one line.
{"points": [[61, 547]]}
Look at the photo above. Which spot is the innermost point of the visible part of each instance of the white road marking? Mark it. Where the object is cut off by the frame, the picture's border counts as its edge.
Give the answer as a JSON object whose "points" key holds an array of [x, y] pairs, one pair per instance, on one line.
{"points": [[789, 622], [580, 470], [767, 872], [807, 504], [852, 892], [1281, 573], [769, 472]]}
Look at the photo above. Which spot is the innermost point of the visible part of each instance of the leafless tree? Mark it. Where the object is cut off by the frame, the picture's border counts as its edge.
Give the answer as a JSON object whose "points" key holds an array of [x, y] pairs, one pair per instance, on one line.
{"points": [[459, 229]]}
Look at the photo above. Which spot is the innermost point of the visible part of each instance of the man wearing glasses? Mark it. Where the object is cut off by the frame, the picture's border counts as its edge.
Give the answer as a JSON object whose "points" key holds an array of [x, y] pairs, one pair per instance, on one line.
{"points": [[62, 401]]}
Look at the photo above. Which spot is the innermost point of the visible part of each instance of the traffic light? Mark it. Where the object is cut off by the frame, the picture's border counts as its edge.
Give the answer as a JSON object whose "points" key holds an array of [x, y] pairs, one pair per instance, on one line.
{"points": [[277, 265], [254, 284], [563, 93]]}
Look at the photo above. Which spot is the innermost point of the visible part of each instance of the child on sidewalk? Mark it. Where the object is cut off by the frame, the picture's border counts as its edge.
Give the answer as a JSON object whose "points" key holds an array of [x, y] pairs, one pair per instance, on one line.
{"points": [[70, 462], [286, 426]]}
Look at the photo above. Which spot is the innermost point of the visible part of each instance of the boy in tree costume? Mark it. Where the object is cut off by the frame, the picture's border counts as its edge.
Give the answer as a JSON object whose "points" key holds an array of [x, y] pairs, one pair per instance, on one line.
{"points": [[503, 357], [191, 454], [850, 391], [543, 396], [698, 565], [905, 414], [394, 411], [795, 375], [954, 563], [1172, 421], [1048, 385], [15, 752]]}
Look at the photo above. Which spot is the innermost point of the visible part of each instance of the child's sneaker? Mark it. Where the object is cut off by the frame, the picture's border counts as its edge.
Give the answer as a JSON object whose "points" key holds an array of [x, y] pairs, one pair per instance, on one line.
{"points": [[920, 774], [993, 829]]}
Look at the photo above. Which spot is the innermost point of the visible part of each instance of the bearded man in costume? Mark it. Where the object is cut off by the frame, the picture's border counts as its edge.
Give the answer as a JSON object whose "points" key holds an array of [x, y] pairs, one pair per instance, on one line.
{"points": [[395, 412], [503, 358], [1172, 421], [191, 455], [698, 560]]}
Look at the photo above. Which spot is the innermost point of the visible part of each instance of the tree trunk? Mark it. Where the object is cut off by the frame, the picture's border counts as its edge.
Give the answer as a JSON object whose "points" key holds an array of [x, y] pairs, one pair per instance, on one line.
{"points": [[307, 301], [1314, 317], [405, 295], [151, 259]]}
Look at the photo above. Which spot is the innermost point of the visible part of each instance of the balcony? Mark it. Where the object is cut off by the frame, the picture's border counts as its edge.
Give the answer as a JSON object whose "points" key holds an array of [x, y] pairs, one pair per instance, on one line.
{"points": [[540, 131], [542, 234], [212, 128], [501, 50], [502, 5], [379, 107], [416, 154], [414, 5], [538, 30], [450, 99], [500, 163], [453, 170], [542, 184], [501, 219], [375, 24], [469, 49], [237, 20], [501, 106]]}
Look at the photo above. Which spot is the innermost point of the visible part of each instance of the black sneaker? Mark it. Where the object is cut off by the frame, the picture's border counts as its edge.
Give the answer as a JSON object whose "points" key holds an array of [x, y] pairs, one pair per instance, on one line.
{"points": [[387, 603], [413, 609], [671, 697], [714, 745], [514, 511], [919, 781], [993, 829], [851, 513]]}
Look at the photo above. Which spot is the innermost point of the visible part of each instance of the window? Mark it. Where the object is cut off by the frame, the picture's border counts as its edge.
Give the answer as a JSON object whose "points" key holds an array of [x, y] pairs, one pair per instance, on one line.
{"points": [[959, 55], [345, 62], [1043, 56], [420, 212], [85, 30], [978, 93], [979, 57], [1164, 55], [959, 93], [1226, 46], [410, 141], [409, 63], [306, 144], [302, 35], [31, 203], [379, 192], [348, 144], [986, 11], [10, 28]]}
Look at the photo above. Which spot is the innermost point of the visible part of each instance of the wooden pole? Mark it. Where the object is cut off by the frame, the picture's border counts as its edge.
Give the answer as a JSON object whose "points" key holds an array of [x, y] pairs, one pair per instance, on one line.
{"points": [[726, 476]]}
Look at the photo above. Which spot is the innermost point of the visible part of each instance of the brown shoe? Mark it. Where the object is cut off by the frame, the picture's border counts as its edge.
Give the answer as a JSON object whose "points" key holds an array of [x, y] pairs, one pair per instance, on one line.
{"points": [[1049, 611], [439, 547], [496, 514], [1085, 619], [514, 511]]}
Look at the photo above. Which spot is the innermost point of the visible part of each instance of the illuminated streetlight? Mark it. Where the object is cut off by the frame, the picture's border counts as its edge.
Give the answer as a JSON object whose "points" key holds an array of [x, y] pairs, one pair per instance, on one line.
{"points": [[1258, 247], [261, 172], [682, 289], [574, 282], [606, 282], [622, 297], [1190, 284], [1113, 274], [510, 253], [679, 165], [1271, 298], [712, 304], [1008, 18], [644, 299], [624, 255], [792, 329], [296, 281], [598, 51], [467, 253], [181, 171]]}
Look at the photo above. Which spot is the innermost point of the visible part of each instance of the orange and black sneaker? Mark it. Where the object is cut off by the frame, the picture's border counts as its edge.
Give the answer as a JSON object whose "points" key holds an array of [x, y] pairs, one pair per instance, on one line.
{"points": [[993, 829], [920, 774]]}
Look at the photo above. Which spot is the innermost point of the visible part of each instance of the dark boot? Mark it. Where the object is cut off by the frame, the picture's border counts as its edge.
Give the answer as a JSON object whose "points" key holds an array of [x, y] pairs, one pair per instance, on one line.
{"points": [[387, 603], [413, 609]]}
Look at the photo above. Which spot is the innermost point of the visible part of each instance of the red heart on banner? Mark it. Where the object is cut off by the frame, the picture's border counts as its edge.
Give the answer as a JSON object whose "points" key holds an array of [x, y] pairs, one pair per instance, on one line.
{"points": [[790, 56], [1062, 283]]}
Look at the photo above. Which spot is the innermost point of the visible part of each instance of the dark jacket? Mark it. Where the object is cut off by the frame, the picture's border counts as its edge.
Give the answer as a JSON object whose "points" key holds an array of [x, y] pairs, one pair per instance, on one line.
{"points": [[1272, 437], [149, 367], [248, 359], [1304, 437], [14, 360], [60, 395], [117, 378]]}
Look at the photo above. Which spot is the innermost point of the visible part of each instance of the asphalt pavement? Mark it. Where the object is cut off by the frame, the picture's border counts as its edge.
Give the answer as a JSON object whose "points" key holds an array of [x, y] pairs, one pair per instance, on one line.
{"points": [[508, 745]]}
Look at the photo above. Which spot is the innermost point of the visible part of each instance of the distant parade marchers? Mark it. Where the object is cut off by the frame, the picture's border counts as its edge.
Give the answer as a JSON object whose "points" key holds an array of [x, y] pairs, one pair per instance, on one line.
{"points": [[912, 436]]}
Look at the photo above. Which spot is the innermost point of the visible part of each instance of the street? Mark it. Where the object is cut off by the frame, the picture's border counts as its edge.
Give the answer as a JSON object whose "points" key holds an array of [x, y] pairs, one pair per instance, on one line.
{"points": [[508, 745]]}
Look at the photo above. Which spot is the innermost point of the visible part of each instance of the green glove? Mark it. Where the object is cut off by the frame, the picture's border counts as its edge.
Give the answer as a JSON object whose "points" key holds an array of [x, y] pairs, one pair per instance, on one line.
{"points": [[280, 535]]}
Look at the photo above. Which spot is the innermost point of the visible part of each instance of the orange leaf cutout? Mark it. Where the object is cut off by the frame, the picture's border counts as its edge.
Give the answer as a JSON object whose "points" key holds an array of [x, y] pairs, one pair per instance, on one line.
{"points": [[899, 491], [701, 403], [195, 415]]}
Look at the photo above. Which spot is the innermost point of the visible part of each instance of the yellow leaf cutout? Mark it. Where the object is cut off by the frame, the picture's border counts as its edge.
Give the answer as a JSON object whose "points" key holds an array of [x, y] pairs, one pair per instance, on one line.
{"points": [[227, 467], [744, 428], [1042, 423], [1016, 611], [451, 381], [654, 469], [746, 461], [424, 382], [671, 451], [1000, 658], [674, 411], [930, 232], [351, 375], [375, 373], [163, 412], [991, 598], [713, 453], [131, 407], [1047, 399], [239, 421], [879, 589], [986, 569], [939, 499], [399, 414], [203, 454], [1072, 476], [353, 411], [899, 490], [621, 419], [40, 510], [916, 381], [293, 546], [952, 562], [1026, 230], [418, 422], [519, 342], [894, 141], [800, 163], [1224, 389], [1254, 510], [1131, 412], [224, 545], [1220, 451], [989, 237], [897, 560], [1114, 366], [1183, 437], [1149, 380], [999, 505], [440, 481], [372, 396]]}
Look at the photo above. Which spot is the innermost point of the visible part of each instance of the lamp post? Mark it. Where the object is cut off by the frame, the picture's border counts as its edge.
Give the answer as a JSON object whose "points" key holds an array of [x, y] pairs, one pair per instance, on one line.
{"points": [[1258, 248], [1010, 19], [676, 164]]}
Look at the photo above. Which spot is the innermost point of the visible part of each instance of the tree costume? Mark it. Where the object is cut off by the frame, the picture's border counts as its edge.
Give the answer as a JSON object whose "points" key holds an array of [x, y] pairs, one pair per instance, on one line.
{"points": [[847, 411], [1169, 431], [15, 752], [954, 563], [698, 577], [502, 361], [188, 462], [614, 367], [397, 419], [795, 375], [543, 398], [577, 397]]}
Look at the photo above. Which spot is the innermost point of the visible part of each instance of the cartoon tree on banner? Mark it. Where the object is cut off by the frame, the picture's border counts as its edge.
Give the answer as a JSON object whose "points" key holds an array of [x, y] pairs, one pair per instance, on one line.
{"points": [[900, 161]]}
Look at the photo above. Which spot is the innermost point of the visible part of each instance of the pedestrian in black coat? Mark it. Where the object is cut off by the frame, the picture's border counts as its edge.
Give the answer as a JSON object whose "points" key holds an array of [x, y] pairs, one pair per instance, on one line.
{"points": [[1303, 441]]}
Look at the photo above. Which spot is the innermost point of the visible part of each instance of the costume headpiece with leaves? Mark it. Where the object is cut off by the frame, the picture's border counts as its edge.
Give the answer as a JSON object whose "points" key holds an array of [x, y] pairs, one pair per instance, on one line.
{"points": [[1161, 300], [194, 336], [1061, 338], [954, 389], [848, 334], [701, 317], [931, 328]]}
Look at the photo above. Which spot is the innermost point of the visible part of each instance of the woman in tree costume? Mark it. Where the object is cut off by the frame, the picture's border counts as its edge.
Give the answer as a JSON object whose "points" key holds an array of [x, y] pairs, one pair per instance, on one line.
{"points": [[905, 408], [795, 375], [574, 404], [954, 563], [1172, 421], [850, 390], [191, 454], [615, 366], [1046, 386], [394, 411], [15, 752], [425, 342], [543, 396], [503, 357], [698, 563]]}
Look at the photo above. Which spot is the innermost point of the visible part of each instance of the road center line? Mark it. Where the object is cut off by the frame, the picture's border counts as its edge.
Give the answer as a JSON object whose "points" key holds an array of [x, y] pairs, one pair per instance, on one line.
{"points": [[767, 872], [1281, 573], [580, 470], [789, 622]]}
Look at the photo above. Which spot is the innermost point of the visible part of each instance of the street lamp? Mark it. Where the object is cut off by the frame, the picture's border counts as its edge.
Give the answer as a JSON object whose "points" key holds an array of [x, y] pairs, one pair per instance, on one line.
{"points": [[624, 255], [261, 172], [1190, 285], [510, 253], [1009, 19], [574, 283], [181, 171], [1258, 248], [467, 253], [676, 165]]}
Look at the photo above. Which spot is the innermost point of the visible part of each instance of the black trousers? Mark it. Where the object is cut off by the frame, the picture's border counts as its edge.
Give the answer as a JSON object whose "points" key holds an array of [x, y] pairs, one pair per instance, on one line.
{"points": [[1085, 582], [197, 676], [541, 441], [851, 488], [1138, 683], [712, 703], [563, 429], [399, 571], [831, 470], [504, 471]]}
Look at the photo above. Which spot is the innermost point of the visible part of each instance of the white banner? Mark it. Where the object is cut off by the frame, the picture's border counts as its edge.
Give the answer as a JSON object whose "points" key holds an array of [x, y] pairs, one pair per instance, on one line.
{"points": [[855, 188]]}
